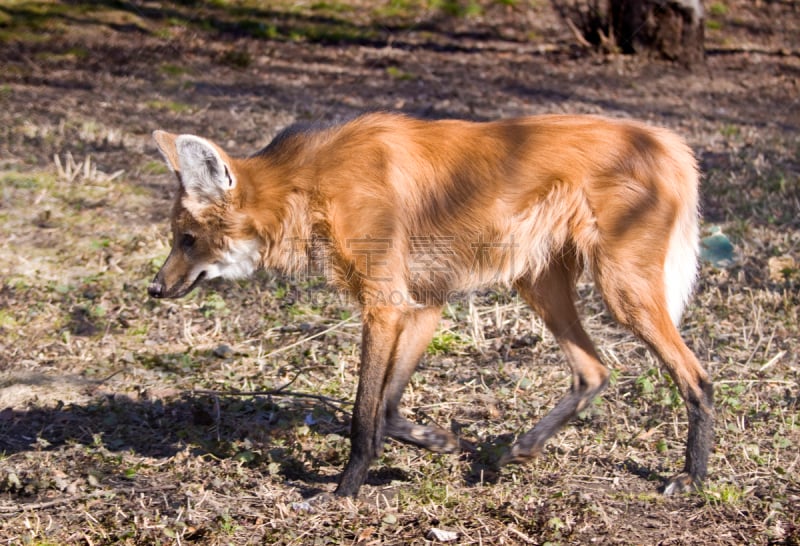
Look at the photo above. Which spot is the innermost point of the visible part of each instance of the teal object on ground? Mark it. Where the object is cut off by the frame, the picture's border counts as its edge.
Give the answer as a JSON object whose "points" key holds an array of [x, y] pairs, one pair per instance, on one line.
{"points": [[717, 249]]}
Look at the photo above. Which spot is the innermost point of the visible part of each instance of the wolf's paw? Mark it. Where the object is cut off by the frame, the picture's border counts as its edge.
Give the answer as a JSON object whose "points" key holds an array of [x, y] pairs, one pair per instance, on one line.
{"points": [[435, 439], [313, 504], [432, 438], [681, 483], [518, 454]]}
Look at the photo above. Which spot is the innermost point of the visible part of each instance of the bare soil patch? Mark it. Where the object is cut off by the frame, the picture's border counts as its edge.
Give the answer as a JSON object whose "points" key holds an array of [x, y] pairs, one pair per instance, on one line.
{"points": [[122, 419]]}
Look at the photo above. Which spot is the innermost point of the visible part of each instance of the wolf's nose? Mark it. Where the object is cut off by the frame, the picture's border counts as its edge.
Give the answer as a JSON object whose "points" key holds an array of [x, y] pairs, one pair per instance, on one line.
{"points": [[156, 289]]}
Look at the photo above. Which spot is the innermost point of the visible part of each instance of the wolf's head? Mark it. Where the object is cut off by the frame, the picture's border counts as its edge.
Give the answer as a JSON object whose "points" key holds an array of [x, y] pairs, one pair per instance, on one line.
{"points": [[210, 235]]}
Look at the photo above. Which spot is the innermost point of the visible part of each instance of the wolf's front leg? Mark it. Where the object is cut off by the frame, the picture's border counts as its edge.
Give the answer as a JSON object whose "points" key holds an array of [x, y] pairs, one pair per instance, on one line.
{"points": [[381, 329], [418, 327]]}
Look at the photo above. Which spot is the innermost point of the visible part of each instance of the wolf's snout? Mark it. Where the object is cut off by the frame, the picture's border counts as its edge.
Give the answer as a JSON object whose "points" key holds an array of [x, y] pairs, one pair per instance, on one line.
{"points": [[156, 289]]}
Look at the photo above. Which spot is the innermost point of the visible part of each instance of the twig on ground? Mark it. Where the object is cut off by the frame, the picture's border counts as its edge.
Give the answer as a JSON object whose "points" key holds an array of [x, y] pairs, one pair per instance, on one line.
{"points": [[520, 535], [772, 361], [309, 338], [281, 391], [328, 401], [583, 42], [21, 507]]}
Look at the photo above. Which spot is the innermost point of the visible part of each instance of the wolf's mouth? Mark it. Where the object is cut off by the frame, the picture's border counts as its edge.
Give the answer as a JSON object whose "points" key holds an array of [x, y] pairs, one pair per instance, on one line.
{"points": [[180, 292], [194, 284]]}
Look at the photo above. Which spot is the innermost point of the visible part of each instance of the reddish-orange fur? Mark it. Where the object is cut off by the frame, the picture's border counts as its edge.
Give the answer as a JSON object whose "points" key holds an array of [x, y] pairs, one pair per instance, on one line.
{"points": [[403, 213]]}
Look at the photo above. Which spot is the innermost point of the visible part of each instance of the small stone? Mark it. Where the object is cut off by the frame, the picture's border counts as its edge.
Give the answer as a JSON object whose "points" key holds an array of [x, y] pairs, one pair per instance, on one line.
{"points": [[223, 351], [73, 487], [13, 481], [441, 535], [303, 506], [389, 519]]}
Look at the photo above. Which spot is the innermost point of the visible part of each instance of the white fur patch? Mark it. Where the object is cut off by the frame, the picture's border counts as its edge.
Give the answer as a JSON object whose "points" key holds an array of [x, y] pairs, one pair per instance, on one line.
{"points": [[240, 261], [680, 266]]}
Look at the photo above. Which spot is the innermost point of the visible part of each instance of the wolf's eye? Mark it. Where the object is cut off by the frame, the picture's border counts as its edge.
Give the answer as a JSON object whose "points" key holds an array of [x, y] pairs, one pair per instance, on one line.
{"points": [[187, 241]]}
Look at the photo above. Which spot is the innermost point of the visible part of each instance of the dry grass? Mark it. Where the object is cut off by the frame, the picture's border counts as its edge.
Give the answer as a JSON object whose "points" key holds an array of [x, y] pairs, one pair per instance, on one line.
{"points": [[125, 420]]}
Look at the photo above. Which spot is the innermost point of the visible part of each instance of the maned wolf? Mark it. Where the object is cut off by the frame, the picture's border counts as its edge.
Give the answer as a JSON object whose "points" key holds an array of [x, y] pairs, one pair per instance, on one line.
{"points": [[405, 212]]}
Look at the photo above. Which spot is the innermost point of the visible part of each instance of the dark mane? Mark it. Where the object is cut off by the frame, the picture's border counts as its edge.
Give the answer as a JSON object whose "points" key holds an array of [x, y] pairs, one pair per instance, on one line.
{"points": [[301, 128]]}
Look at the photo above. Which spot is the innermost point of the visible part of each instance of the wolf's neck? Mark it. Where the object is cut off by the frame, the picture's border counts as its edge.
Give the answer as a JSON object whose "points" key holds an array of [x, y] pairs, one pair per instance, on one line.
{"points": [[285, 200]]}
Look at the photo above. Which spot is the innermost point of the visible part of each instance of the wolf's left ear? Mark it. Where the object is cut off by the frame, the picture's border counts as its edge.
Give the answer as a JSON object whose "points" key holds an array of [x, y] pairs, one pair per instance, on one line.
{"points": [[205, 174], [166, 145]]}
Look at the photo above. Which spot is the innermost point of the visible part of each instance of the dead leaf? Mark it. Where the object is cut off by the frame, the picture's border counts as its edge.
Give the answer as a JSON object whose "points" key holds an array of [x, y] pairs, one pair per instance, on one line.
{"points": [[365, 534], [781, 268]]}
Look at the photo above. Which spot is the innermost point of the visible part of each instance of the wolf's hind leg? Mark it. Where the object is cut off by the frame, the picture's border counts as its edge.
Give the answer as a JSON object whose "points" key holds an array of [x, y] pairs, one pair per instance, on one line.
{"points": [[551, 295]]}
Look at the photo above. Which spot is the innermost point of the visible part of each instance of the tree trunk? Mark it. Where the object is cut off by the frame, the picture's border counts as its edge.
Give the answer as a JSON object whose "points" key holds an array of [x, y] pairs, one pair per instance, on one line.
{"points": [[672, 29]]}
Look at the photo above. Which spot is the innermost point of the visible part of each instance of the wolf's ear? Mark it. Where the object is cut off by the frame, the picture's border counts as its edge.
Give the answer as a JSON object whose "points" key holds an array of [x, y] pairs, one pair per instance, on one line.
{"points": [[205, 175], [166, 145]]}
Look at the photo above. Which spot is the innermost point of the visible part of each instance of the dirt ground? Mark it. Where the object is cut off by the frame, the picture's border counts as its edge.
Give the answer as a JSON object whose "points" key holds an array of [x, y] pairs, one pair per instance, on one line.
{"points": [[212, 419]]}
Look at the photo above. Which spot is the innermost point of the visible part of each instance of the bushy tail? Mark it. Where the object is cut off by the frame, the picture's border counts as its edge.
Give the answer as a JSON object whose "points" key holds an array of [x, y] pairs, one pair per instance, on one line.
{"points": [[680, 266]]}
